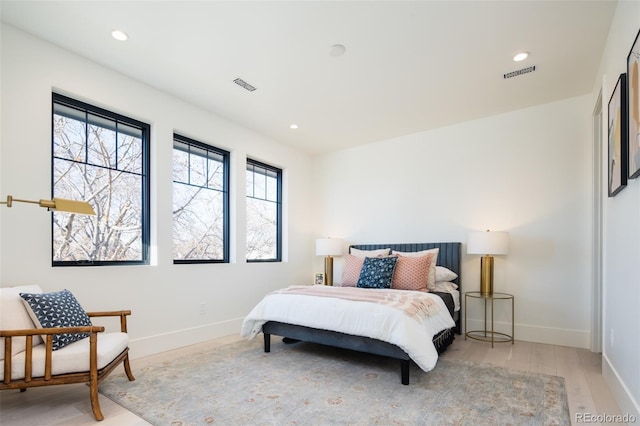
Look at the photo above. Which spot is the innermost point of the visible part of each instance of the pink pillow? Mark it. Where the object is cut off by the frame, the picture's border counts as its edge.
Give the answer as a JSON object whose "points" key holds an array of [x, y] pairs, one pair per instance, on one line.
{"points": [[412, 273], [351, 272], [431, 283]]}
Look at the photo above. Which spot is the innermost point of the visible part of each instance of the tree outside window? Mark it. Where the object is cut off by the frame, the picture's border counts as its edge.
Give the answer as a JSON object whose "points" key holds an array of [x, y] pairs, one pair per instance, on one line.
{"points": [[103, 158], [264, 212], [200, 202]]}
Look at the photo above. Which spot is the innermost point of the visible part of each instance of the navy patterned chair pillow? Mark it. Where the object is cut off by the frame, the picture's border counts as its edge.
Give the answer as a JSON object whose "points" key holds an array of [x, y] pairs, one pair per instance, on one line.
{"points": [[377, 272], [57, 309]]}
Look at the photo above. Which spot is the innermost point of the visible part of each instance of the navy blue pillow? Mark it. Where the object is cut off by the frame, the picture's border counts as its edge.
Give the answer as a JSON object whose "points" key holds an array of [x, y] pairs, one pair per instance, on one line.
{"points": [[58, 309], [377, 272]]}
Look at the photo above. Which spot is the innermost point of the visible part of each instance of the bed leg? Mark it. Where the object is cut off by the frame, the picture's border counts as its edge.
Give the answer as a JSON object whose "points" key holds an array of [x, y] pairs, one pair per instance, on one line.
{"points": [[404, 371], [267, 342]]}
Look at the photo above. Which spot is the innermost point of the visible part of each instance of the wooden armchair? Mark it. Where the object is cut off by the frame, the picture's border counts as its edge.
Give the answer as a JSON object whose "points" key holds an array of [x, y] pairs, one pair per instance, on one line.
{"points": [[29, 363]]}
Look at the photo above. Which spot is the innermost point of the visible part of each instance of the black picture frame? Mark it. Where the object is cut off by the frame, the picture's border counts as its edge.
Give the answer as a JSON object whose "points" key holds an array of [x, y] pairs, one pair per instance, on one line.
{"points": [[633, 102], [617, 137]]}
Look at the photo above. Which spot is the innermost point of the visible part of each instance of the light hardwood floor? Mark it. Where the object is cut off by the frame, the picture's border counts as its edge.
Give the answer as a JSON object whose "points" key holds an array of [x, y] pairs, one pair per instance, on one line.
{"points": [[69, 404]]}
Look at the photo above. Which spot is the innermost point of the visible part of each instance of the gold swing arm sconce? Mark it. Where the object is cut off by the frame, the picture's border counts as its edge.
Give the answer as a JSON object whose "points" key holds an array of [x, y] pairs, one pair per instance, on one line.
{"points": [[58, 204]]}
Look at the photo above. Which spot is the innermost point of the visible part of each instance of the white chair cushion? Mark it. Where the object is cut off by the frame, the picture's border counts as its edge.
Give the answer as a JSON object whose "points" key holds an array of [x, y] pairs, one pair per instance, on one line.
{"points": [[13, 316], [73, 358]]}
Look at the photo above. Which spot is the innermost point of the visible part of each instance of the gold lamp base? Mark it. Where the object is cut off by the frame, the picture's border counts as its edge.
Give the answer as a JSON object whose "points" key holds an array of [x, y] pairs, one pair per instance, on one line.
{"points": [[486, 275], [328, 270]]}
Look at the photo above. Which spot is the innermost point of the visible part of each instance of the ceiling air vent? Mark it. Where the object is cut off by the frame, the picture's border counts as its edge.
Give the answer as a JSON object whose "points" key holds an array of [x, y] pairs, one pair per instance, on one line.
{"points": [[520, 72], [240, 82]]}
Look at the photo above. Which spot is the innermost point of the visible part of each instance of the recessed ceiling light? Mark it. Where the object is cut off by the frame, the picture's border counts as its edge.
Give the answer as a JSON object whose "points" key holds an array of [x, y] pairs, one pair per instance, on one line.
{"points": [[119, 35], [337, 50], [293, 126], [521, 56]]}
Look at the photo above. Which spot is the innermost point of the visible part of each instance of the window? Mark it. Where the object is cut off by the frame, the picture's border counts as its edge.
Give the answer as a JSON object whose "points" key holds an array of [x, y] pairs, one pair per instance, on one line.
{"points": [[200, 202], [264, 212], [103, 158]]}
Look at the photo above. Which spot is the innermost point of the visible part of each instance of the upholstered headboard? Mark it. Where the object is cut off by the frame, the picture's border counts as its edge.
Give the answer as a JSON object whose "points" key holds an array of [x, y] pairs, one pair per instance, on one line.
{"points": [[449, 254]]}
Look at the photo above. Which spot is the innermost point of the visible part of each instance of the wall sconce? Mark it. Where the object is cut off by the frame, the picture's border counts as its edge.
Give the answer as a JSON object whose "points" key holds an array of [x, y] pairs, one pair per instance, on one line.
{"points": [[487, 243], [58, 204], [328, 247]]}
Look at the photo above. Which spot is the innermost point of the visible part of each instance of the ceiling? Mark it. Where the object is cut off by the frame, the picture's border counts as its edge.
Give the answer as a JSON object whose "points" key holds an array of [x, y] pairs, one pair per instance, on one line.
{"points": [[408, 67]]}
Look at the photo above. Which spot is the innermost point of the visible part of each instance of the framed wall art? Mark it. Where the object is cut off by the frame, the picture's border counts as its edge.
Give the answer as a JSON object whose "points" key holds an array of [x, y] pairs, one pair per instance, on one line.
{"points": [[617, 140], [633, 99]]}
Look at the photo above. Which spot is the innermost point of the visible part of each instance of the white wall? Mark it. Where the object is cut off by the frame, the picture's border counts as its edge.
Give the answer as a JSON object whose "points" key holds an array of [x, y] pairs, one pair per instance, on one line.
{"points": [[526, 172], [621, 316], [165, 298]]}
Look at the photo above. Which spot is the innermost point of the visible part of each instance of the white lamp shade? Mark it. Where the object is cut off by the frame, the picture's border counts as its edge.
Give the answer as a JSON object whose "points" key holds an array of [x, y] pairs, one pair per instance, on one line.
{"points": [[328, 247], [488, 242]]}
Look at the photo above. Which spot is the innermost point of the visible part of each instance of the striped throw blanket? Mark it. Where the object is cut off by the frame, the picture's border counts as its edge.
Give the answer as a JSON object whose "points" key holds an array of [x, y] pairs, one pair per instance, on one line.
{"points": [[416, 305]]}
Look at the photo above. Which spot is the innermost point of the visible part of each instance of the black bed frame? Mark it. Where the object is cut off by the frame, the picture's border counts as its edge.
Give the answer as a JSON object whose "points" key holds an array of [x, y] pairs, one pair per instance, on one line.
{"points": [[448, 256]]}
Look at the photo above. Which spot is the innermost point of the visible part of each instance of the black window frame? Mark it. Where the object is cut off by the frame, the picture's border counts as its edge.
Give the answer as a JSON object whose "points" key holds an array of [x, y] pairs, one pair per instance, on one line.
{"points": [[278, 172], [145, 176], [226, 215]]}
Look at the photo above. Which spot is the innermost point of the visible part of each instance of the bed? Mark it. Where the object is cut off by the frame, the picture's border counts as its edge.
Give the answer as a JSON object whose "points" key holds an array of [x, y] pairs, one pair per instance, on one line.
{"points": [[265, 317]]}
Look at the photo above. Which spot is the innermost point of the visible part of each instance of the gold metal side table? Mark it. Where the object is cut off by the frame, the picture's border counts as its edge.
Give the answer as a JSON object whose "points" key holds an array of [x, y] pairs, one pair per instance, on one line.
{"points": [[488, 335]]}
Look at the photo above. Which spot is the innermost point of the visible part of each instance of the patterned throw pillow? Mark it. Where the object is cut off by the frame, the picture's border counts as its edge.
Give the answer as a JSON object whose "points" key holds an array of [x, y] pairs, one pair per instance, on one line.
{"points": [[54, 310], [351, 272], [431, 282], [377, 272], [412, 273]]}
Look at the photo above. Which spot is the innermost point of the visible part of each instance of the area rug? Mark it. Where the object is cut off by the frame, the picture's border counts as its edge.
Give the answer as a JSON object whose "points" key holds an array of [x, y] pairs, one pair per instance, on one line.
{"points": [[309, 384]]}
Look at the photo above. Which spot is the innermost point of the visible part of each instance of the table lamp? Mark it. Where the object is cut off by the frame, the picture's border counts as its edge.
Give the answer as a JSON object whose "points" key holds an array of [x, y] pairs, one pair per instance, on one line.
{"points": [[328, 247], [487, 244]]}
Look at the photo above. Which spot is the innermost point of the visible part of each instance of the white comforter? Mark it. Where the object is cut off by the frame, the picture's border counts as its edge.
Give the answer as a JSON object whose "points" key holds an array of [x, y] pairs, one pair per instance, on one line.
{"points": [[357, 318]]}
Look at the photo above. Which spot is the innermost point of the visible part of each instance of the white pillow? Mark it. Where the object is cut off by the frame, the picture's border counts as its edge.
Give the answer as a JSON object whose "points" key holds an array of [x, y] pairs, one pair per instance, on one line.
{"points": [[445, 286], [370, 253], [431, 282], [14, 316], [444, 274]]}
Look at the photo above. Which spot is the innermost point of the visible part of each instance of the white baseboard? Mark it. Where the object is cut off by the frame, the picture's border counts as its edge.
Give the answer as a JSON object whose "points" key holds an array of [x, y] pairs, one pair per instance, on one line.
{"points": [[152, 345], [531, 333], [620, 392]]}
